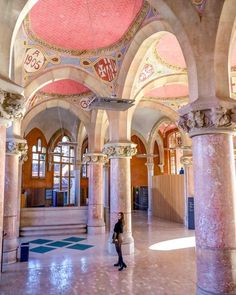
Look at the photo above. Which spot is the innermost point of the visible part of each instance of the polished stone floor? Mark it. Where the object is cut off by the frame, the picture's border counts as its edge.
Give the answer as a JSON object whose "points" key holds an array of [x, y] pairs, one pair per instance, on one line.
{"points": [[168, 268]]}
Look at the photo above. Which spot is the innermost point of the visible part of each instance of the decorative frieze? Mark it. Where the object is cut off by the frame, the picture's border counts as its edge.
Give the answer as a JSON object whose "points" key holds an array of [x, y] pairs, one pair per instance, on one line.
{"points": [[215, 120], [11, 105], [94, 158], [17, 147], [120, 150]]}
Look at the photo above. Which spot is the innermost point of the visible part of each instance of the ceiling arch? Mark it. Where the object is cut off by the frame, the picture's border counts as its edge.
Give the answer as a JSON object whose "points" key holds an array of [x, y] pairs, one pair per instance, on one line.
{"points": [[61, 73]]}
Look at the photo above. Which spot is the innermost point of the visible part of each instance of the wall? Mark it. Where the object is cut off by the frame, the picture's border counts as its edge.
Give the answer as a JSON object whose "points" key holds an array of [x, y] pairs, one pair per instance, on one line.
{"points": [[52, 216], [168, 197]]}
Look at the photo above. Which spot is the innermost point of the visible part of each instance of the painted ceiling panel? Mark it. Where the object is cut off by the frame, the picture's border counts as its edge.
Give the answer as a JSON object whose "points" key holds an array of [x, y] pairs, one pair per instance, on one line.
{"points": [[168, 49], [144, 120], [65, 87], [83, 24], [173, 90]]}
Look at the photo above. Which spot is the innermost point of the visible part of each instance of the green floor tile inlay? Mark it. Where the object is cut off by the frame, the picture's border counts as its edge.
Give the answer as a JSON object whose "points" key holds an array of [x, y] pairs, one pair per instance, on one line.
{"points": [[80, 246], [59, 244], [40, 241], [42, 249], [74, 239]]}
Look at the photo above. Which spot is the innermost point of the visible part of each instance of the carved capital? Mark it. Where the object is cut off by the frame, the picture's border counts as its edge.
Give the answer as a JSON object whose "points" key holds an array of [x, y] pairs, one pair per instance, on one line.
{"points": [[17, 147], [94, 158], [214, 120], [186, 160], [11, 105], [120, 150], [161, 166]]}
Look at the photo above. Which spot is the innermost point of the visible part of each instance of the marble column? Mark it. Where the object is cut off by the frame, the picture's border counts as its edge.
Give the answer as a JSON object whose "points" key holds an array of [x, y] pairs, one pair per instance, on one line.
{"points": [[15, 150], [95, 161], [187, 162], [150, 170], [106, 194], [2, 179], [77, 182], [120, 191], [211, 130], [10, 108]]}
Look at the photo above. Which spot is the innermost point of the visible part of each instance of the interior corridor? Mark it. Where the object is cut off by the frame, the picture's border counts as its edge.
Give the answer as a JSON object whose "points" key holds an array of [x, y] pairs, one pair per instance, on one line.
{"points": [[167, 271]]}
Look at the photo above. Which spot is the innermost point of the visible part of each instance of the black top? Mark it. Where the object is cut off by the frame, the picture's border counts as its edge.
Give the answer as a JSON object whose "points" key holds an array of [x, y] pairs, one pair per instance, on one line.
{"points": [[118, 228]]}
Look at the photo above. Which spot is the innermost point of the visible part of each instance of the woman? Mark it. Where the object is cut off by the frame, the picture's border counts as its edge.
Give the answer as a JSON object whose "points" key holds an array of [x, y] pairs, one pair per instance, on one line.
{"points": [[117, 239]]}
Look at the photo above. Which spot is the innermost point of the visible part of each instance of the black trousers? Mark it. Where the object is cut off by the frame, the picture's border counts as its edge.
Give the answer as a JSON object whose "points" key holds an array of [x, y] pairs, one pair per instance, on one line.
{"points": [[119, 252]]}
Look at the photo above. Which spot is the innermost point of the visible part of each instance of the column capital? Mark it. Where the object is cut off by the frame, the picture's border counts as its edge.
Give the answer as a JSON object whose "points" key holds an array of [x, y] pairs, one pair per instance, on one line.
{"points": [[18, 147], [94, 158], [200, 118], [161, 166], [11, 105], [186, 160], [120, 149]]}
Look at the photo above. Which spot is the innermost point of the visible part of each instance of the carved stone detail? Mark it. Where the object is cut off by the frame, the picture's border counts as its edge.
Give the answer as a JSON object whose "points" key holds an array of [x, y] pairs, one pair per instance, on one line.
{"points": [[120, 150], [17, 147], [11, 105], [217, 119], [94, 158], [186, 160]]}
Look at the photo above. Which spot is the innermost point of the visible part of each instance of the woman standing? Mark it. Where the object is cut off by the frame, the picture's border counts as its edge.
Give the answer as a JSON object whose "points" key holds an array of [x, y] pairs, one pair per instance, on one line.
{"points": [[117, 239]]}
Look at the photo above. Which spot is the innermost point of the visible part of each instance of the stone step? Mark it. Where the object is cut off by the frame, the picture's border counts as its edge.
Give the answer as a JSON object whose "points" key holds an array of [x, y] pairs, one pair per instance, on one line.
{"points": [[50, 230]]}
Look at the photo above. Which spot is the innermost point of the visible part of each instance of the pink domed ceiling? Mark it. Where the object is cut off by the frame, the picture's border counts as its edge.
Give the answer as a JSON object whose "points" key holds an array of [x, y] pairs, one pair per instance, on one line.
{"points": [[65, 87], [169, 50], [173, 90], [83, 24]]}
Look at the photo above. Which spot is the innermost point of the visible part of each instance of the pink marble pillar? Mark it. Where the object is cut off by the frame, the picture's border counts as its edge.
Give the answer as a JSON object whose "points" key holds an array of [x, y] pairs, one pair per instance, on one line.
{"points": [[16, 149], [10, 209], [120, 191], [2, 179], [150, 170], [211, 125], [215, 213], [96, 222]]}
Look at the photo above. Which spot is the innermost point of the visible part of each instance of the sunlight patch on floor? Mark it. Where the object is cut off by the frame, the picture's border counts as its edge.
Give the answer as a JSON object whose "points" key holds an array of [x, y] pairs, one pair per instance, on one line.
{"points": [[175, 244]]}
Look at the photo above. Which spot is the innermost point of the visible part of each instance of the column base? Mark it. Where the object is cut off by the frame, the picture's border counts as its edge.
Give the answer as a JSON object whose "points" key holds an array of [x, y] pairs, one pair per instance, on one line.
{"points": [[93, 230], [10, 251], [10, 257], [203, 292]]}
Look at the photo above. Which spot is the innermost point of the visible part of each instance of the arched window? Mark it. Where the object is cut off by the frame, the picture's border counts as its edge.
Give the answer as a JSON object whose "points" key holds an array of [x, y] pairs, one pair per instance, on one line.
{"points": [[38, 160], [63, 174]]}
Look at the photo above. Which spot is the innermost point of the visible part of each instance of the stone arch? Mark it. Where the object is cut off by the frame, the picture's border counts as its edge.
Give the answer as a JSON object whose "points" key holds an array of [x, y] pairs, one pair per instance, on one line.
{"points": [[26, 7], [66, 72], [224, 40], [140, 44], [51, 104], [135, 132], [97, 130]]}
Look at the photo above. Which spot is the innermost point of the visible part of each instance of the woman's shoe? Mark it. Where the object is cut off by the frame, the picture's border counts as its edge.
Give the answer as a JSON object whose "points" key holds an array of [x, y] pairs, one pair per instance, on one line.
{"points": [[124, 265], [116, 264], [121, 268]]}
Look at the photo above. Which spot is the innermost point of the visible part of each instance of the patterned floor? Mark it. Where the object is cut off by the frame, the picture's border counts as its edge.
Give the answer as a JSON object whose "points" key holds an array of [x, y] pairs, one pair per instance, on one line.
{"points": [[152, 270], [49, 245]]}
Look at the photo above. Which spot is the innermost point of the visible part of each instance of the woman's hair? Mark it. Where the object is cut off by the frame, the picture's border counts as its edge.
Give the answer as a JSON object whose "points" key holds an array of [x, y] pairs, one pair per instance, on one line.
{"points": [[122, 219]]}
